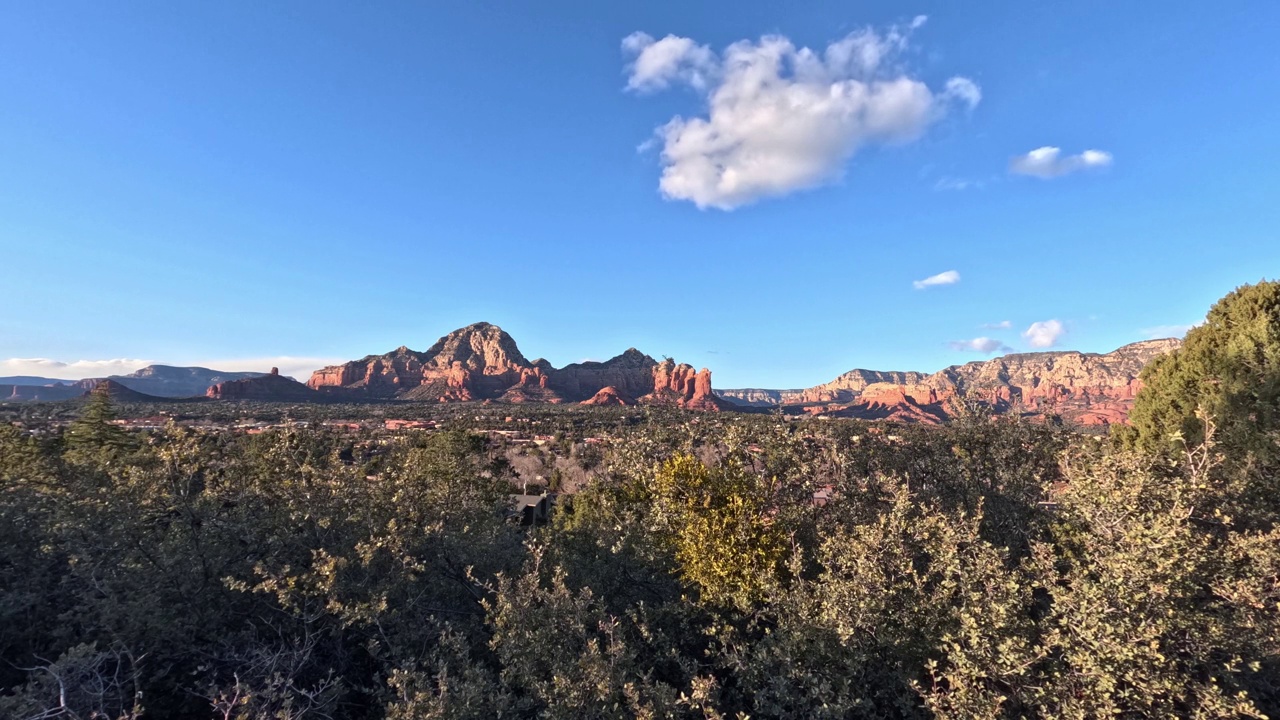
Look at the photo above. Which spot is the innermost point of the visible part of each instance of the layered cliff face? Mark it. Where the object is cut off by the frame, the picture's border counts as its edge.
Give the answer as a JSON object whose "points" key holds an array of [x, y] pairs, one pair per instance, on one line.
{"points": [[758, 397], [852, 384], [482, 362], [1087, 388], [266, 388], [843, 389]]}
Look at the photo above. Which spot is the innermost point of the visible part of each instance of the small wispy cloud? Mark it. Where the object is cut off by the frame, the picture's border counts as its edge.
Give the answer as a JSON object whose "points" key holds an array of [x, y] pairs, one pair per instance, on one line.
{"points": [[1002, 325], [1166, 331], [950, 277], [958, 184], [984, 345], [1049, 162], [1044, 334]]}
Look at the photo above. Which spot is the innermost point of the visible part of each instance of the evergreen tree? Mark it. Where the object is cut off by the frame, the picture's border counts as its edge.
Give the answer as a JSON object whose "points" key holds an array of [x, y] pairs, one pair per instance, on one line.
{"points": [[94, 430], [1225, 375]]}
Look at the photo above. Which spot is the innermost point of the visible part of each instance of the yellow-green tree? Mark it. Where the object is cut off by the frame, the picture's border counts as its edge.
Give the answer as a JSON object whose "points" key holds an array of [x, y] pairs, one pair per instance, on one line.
{"points": [[719, 522]]}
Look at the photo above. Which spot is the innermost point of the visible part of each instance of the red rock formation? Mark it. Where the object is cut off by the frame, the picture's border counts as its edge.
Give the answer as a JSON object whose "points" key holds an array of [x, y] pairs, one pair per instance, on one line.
{"points": [[631, 373], [477, 362], [681, 386], [609, 396], [1080, 387], [266, 388], [482, 363]]}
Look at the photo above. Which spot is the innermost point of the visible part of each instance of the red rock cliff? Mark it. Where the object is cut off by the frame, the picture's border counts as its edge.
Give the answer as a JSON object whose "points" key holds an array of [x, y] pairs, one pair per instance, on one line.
{"points": [[482, 362]]}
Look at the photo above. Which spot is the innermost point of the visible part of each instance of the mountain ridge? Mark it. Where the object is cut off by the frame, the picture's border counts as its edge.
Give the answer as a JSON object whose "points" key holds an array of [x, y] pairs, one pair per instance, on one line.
{"points": [[482, 362], [1090, 388]]}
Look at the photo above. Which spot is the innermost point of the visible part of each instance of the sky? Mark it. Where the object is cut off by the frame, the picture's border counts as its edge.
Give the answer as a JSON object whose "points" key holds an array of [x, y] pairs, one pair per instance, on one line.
{"points": [[777, 191]]}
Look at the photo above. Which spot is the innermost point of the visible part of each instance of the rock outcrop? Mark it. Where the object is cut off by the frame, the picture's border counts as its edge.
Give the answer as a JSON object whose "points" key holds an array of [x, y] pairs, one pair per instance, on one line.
{"points": [[264, 388], [681, 386], [1087, 388], [609, 396], [481, 362]]}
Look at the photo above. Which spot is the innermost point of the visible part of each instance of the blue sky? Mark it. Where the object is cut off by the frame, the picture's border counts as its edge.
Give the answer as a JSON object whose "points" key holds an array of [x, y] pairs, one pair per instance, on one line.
{"points": [[236, 183]]}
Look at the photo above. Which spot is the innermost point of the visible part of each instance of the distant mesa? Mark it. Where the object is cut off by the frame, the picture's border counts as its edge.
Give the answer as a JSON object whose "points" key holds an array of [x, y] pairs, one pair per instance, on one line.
{"points": [[177, 382], [482, 362], [157, 381], [54, 391], [1086, 388]]}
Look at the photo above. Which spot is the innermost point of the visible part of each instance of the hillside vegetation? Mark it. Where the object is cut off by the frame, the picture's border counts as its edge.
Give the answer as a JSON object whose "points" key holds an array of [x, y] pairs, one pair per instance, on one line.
{"points": [[711, 566]]}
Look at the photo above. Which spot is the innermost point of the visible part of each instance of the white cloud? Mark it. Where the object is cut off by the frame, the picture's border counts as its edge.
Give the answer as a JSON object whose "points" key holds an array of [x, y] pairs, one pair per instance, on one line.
{"points": [[658, 62], [950, 277], [1002, 325], [781, 118], [298, 367], [1044, 334], [980, 344], [1166, 331], [1049, 162], [75, 370], [964, 89]]}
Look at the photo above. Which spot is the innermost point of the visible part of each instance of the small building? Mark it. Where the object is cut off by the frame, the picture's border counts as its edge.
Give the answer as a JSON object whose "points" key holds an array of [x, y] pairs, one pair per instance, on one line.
{"points": [[531, 509]]}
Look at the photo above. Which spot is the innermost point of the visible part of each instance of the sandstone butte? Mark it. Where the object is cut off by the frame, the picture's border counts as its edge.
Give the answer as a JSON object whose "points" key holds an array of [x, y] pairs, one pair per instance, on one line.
{"points": [[273, 387], [481, 362], [1086, 388]]}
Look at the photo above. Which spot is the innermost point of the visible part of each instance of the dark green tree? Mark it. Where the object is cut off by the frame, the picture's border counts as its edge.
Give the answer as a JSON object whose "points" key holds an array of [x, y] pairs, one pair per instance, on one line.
{"points": [[1226, 376], [94, 430]]}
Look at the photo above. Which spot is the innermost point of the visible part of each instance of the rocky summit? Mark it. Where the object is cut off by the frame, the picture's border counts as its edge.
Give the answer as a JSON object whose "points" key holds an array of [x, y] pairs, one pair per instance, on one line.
{"points": [[1087, 388], [482, 362]]}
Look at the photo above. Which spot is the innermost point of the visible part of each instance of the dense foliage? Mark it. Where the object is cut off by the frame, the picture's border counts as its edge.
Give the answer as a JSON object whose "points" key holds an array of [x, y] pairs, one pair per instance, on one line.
{"points": [[711, 566], [1227, 369], [746, 567]]}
